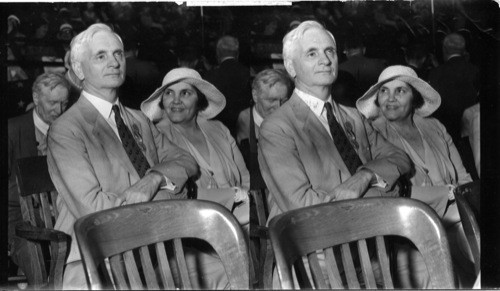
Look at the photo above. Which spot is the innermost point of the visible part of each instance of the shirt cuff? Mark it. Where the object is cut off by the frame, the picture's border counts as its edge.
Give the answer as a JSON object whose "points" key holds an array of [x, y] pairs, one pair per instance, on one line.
{"points": [[166, 184], [380, 182]]}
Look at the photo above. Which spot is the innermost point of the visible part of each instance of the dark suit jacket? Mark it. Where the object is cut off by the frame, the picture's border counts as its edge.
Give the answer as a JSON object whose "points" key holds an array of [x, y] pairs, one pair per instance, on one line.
{"points": [[457, 81], [233, 79], [365, 70], [22, 144]]}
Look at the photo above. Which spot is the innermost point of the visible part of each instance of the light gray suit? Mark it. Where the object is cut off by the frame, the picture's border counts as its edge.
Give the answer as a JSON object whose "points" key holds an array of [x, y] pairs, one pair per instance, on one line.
{"points": [[301, 165], [90, 168]]}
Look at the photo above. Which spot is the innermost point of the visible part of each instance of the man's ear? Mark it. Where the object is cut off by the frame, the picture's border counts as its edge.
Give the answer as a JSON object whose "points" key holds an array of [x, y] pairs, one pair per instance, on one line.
{"points": [[77, 68], [35, 98], [289, 68], [254, 96]]}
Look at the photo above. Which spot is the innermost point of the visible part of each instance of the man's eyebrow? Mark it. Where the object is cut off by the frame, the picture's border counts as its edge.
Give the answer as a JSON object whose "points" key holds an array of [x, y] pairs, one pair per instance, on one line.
{"points": [[311, 49]]}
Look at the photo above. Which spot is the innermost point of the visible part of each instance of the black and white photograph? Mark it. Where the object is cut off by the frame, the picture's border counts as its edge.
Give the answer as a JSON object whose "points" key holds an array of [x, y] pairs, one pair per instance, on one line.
{"points": [[264, 145]]}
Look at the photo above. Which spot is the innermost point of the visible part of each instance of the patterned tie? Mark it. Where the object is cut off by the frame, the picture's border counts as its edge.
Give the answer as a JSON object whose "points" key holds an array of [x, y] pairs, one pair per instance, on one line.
{"points": [[130, 145], [347, 152]]}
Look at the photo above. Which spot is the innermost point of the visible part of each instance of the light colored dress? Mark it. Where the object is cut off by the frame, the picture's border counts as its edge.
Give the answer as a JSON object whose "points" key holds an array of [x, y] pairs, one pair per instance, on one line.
{"points": [[441, 165], [226, 167]]}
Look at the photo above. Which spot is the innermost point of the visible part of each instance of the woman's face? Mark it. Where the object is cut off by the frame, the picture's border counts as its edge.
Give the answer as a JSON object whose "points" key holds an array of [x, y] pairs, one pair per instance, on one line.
{"points": [[395, 99], [179, 102]]}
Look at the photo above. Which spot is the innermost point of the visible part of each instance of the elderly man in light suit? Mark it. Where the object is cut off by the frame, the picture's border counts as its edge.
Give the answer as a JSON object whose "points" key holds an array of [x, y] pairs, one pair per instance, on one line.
{"points": [[88, 164], [297, 154], [299, 159]]}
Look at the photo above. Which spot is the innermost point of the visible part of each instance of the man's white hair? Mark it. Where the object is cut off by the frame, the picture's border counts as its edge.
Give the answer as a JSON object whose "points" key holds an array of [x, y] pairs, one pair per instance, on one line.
{"points": [[290, 39], [79, 42]]}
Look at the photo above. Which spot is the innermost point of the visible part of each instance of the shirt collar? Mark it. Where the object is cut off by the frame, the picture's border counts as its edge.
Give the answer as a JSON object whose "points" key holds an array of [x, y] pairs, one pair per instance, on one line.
{"points": [[257, 118], [40, 124], [104, 107], [314, 103]]}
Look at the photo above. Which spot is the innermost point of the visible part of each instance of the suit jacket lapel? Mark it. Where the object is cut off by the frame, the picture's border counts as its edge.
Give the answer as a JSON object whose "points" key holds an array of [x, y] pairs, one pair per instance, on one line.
{"points": [[105, 135], [320, 137]]}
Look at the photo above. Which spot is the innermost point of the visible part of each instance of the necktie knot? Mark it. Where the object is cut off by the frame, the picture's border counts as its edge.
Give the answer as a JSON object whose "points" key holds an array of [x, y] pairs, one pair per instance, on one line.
{"points": [[118, 117]]}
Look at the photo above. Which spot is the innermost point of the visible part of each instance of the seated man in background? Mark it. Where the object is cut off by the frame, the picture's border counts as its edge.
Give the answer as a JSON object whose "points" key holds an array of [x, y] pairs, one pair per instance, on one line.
{"points": [[102, 154], [27, 138], [270, 89]]}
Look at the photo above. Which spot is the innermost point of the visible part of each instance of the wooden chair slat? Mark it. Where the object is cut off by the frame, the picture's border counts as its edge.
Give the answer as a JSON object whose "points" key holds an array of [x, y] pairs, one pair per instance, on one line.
{"points": [[366, 265], [180, 259], [383, 259], [32, 213], [332, 269], [148, 269], [53, 196], [316, 272], [164, 267], [349, 269], [117, 266], [301, 273], [132, 271], [46, 212]]}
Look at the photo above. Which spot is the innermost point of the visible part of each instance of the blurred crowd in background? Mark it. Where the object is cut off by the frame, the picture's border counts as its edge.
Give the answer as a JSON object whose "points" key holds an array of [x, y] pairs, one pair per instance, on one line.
{"points": [[164, 35]]}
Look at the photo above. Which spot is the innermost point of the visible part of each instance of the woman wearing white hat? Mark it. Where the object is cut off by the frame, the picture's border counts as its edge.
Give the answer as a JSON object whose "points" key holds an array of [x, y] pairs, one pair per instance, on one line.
{"points": [[181, 109], [399, 105]]}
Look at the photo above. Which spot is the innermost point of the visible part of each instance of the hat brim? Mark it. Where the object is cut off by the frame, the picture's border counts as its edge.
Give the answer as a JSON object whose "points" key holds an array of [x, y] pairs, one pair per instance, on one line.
{"points": [[216, 100], [432, 100]]}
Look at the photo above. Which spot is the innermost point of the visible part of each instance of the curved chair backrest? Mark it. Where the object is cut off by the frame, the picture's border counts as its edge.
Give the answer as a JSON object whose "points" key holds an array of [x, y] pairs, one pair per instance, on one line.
{"points": [[126, 235], [469, 219], [330, 227]]}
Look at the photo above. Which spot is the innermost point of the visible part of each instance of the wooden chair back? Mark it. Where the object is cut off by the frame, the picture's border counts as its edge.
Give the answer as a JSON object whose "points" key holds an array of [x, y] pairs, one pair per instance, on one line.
{"points": [[469, 220], [135, 240], [345, 231], [48, 247]]}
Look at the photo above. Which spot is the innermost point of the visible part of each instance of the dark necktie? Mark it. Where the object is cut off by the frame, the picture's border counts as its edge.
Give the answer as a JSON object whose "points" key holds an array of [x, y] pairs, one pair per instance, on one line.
{"points": [[346, 151], [130, 145]]}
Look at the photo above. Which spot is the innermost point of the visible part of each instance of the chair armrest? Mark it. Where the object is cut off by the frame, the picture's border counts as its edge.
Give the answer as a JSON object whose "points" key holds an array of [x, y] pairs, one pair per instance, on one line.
{"points": [[30, 232]]}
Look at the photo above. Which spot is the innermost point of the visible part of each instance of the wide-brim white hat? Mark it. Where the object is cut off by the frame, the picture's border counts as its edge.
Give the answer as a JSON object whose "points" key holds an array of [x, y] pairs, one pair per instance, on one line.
{"points": [[216, 100], [432, 99]]}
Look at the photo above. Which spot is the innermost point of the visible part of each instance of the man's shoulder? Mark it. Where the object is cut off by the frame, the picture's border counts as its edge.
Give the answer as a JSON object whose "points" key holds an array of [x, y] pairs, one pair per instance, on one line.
{"points": [[69, 118], [282, 116]]}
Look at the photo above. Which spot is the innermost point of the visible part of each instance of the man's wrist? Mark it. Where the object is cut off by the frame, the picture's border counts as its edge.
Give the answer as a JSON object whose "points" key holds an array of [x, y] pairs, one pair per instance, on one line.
{"points": [[165, 182], [158, 177]]}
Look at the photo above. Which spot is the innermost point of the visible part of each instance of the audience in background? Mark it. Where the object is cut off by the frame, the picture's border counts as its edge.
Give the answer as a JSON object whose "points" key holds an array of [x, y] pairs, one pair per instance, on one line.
{"points": [[458, 81], [364, 69], [471, 129], [232, 78]]}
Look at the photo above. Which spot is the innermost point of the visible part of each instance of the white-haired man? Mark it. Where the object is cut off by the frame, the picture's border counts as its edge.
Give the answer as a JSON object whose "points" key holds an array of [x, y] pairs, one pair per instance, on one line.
{"points": [[312, 150], [102, 154]]}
